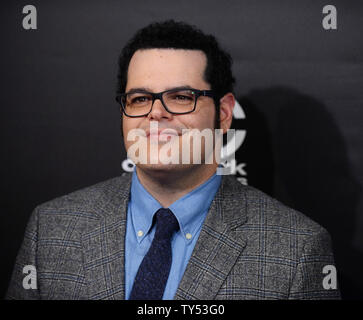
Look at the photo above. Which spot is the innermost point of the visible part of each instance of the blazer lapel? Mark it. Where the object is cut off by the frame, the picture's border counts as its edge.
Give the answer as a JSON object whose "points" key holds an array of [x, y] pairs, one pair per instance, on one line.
{"points": [[218, 246], [104, 243]]}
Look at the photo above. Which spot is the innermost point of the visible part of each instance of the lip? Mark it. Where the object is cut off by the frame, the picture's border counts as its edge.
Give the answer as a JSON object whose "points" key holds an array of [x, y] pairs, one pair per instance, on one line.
{"points": [[160, 132]]}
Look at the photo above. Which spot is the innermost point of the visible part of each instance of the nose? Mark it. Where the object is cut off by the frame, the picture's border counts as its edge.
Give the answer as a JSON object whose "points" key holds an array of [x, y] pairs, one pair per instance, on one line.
{"points": [[158, 111]]}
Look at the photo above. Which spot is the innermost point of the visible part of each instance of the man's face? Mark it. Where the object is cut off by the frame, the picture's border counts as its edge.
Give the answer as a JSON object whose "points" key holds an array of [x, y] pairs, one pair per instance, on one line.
{"points": [[157, 70]]}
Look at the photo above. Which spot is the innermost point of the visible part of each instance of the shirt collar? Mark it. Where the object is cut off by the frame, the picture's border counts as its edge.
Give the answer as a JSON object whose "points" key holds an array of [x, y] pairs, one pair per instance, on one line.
{"points": [[190, 210], [143, 207]]}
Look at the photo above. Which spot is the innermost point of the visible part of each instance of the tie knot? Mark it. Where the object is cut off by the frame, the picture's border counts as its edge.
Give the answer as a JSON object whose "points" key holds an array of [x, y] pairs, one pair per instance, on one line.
{"points": [[166, 224]]}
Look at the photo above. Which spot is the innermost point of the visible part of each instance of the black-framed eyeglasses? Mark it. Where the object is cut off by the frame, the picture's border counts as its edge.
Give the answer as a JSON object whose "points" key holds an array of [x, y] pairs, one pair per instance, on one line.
{"points": [[139, 103]]}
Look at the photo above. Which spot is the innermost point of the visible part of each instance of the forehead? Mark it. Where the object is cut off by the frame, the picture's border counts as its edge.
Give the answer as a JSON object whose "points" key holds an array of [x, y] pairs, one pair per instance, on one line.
{"points": [[158, 69]]}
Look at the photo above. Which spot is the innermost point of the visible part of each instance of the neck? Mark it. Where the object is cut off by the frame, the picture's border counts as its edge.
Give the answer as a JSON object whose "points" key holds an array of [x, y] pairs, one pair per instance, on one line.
{"points": [[167, 186]]}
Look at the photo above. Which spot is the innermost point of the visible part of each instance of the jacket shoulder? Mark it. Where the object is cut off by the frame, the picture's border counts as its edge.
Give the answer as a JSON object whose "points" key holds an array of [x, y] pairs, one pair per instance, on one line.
{"points": [[89, 199], [263, 209]]}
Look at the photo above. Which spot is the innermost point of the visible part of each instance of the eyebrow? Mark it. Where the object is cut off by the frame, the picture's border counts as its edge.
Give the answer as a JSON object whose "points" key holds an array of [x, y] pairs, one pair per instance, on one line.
{"points": [[145, 89]]}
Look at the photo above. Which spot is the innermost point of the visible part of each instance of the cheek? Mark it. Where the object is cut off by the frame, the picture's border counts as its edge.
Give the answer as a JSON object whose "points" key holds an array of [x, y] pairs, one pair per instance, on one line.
{"points": [[123, 126], [127, 125], [204, 118]]}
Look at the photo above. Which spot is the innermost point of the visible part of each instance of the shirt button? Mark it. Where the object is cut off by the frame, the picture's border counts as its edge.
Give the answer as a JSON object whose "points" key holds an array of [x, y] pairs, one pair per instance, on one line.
{"points": [[140, 233], [188, 236]]}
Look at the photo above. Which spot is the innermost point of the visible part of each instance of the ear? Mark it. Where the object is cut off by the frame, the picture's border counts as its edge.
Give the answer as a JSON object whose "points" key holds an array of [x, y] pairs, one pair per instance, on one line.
{"points": [[226, 111]]}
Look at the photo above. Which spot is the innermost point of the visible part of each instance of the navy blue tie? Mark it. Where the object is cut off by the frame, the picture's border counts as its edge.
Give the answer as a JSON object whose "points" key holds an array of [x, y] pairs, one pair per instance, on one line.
{"points": [[153, 273]]}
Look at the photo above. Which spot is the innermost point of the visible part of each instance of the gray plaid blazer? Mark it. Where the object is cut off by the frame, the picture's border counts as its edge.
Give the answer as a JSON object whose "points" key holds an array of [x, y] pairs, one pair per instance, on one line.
{"points": [[250, 247]]}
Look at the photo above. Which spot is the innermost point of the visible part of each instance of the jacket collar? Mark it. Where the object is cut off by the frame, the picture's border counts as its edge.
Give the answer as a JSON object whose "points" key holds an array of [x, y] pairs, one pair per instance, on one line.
{"points": [[104, 242], [219, 244]]}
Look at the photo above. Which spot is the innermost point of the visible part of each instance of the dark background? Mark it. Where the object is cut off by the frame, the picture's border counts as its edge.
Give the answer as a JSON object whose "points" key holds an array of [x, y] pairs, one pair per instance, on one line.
{"points": [[300, 86]]}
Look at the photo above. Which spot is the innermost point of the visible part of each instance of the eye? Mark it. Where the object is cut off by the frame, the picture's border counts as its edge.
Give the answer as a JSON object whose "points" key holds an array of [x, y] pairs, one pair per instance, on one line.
{"points": [[140, 99], [182, 97]]}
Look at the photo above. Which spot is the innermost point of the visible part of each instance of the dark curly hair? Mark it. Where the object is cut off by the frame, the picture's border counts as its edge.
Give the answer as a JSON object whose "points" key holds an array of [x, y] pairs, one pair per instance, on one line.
{"points": [[179, 35]]}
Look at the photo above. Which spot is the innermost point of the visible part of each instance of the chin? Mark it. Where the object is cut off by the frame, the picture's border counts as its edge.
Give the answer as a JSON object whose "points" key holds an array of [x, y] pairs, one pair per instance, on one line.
{"points": [[161, 169]]}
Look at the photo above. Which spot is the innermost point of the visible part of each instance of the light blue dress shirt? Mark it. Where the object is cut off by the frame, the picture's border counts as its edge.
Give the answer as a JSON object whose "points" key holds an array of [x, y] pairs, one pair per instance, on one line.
{"points": [[190, 211]]}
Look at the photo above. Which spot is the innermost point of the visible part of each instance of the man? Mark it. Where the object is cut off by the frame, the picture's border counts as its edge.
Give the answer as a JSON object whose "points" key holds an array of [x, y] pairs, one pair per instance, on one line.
{"points": [[172, 230]]}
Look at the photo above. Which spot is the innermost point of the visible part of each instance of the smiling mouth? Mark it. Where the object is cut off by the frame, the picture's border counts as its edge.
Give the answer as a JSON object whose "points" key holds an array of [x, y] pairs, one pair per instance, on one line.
{"points": [[162, 137], [168, 133]]}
